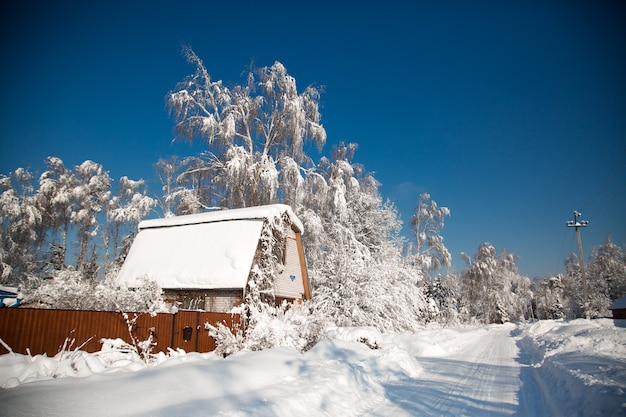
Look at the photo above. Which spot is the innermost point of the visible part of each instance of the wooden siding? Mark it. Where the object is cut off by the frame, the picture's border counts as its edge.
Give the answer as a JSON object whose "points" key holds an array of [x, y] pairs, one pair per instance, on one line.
{"points": [[619, 313], [289, 282], [49, 331]]}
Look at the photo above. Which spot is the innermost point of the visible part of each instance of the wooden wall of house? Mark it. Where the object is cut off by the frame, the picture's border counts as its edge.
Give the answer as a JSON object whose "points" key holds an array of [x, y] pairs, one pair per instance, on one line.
{"points": [[619, 313], [41, 331]]}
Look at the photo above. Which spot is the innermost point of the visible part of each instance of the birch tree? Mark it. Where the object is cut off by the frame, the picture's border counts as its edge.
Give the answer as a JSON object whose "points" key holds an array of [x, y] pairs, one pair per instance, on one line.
{"points": [[20, 218], [91, 194], [426, 224], [56, 185], [354, 249], [250, 130], [266, 116], [124, 211]]}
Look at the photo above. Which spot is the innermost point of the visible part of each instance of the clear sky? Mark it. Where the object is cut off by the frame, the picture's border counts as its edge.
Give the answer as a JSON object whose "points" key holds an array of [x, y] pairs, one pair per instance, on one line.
{"points": [[512, 114]]}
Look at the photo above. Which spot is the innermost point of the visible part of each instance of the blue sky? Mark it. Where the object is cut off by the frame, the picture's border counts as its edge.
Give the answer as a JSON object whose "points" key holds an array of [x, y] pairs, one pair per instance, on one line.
{"points": [[512, 114]]}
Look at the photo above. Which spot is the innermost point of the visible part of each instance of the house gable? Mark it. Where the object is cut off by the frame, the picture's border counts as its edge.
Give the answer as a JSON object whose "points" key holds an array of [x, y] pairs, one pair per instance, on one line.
{"points": [[290, 282]]}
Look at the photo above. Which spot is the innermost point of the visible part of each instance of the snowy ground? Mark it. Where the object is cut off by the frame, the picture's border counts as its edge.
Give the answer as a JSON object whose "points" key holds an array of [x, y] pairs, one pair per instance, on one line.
{"points": [[550, 368]]}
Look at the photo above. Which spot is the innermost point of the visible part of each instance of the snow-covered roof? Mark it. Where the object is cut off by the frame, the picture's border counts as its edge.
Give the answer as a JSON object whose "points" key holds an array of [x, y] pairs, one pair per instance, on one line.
{"points": [[618, 304], [248, 213], [8, 290], [200, 251]]}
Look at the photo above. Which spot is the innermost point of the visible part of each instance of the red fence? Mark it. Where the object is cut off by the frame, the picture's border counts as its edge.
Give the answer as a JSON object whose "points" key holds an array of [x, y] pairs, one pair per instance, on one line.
{"points": [[48, 331]]}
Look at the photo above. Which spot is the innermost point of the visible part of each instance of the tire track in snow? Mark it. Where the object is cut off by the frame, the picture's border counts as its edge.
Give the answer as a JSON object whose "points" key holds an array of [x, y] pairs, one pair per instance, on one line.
{"points": [[482, 379]]}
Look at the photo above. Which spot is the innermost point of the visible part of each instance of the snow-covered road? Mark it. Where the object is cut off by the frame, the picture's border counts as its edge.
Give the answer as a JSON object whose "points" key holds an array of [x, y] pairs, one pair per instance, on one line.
{"points": [[481, 378]]}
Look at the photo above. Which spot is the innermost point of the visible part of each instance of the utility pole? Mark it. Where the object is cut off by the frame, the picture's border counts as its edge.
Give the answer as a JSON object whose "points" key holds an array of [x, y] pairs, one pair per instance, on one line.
{"points": [[576, 225]]}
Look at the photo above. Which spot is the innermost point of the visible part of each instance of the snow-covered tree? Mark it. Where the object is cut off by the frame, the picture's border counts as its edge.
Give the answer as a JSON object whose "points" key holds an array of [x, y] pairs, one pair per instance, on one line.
{"points": [[492, 289], [573, 299], [37, 223], [444, 291], [426, 224], [354, 251], [91, 195], [20, 219], [56, 198], [605, 273], [69, 290], [266, 116], [251, 131], [548, 298], [123, 214], [256, 135], [165, 169], [607, 270]]}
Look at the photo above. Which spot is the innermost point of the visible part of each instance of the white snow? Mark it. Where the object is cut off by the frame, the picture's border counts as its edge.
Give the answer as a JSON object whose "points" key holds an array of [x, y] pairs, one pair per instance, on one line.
{"points": [[551, 368], [249, 213], [6, 299], [206, 255], [9, 302]]}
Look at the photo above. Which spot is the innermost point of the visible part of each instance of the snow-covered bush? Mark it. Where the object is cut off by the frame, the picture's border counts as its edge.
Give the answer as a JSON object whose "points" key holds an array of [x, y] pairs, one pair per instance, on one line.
{"points": [[287, 325], [369, 336], [227, 340], [290, 325]]}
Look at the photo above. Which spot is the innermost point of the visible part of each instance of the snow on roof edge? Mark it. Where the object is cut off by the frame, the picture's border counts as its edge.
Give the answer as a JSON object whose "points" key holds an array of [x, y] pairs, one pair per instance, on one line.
{"points": [[247, 213], [619, 304], [9, 289]]}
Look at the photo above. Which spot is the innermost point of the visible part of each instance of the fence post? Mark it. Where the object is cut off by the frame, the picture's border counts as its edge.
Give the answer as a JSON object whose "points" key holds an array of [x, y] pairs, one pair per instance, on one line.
{"points": [[173, 330]]}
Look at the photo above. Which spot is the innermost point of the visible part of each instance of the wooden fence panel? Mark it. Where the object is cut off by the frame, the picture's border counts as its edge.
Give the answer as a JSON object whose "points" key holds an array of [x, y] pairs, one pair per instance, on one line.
{"points": [[186, 331], [205, 342], [49, 331]]}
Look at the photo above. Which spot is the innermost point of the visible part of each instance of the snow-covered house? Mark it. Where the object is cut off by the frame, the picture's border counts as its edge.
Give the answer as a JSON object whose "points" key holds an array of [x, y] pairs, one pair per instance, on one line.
{"points": [[618, 308], [10, 296], [204, 261]]}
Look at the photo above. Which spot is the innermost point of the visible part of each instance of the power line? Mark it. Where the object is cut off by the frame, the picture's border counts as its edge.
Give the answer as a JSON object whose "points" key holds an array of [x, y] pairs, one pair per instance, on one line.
{"points": [[608, 179], [608, 201], [558, 266]]}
